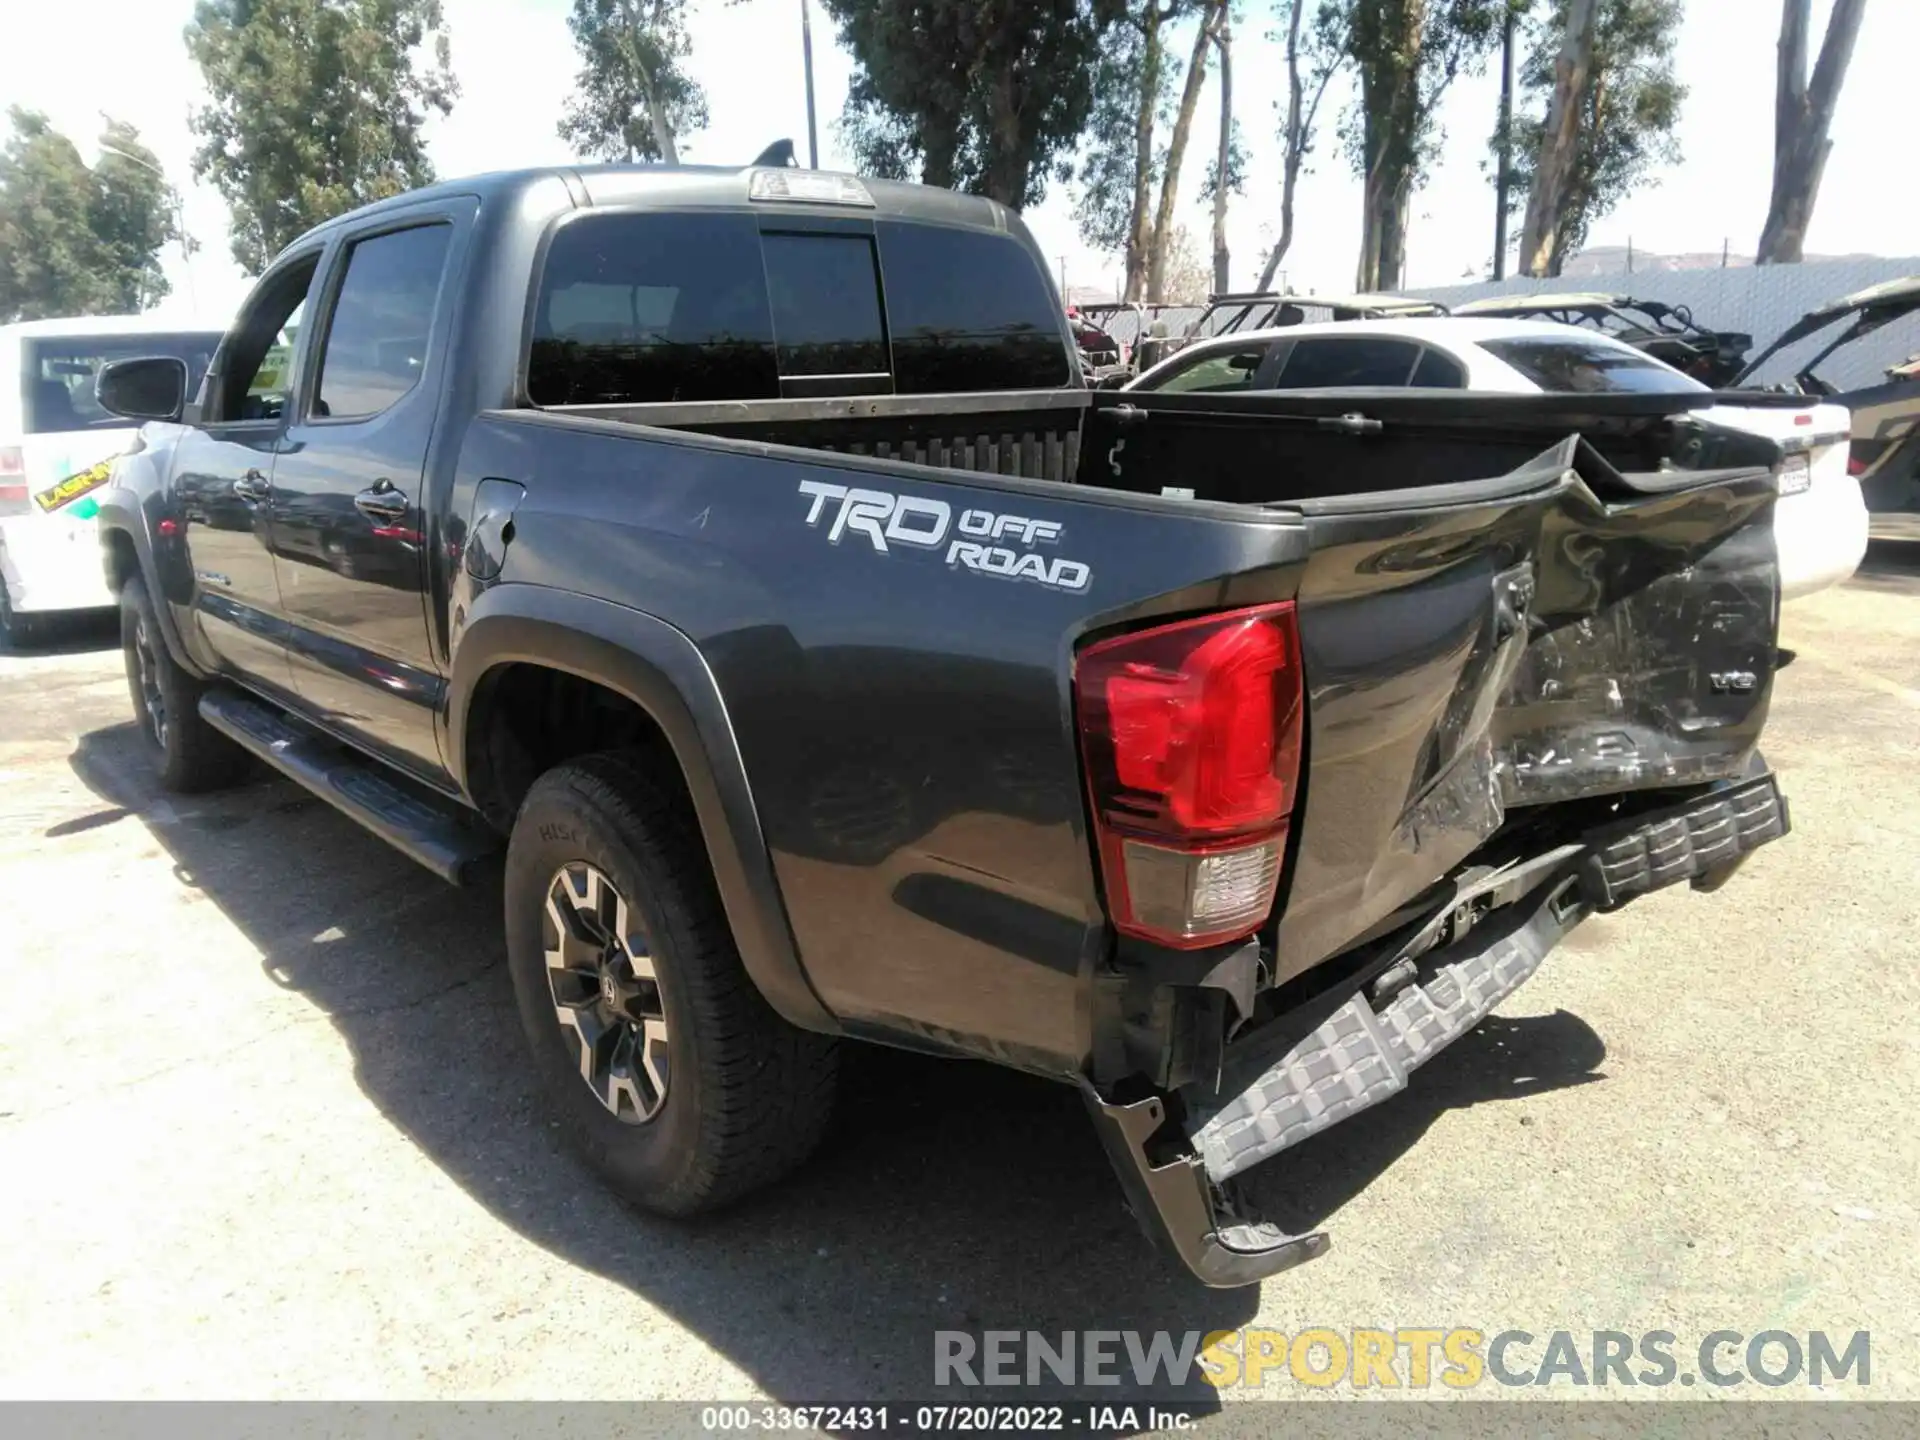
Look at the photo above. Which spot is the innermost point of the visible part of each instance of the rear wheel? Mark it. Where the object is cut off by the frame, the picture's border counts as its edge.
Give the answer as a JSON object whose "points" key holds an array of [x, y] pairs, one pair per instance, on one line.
{"points": [[191, 754], [670, 1073]]}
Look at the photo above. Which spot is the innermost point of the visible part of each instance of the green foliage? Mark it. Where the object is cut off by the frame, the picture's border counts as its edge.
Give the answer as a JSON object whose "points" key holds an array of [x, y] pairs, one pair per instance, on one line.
{"points": [[1627, 116], [631, 53], [1237, 161], [1406, 54], [1109, 153], [981, 95], [79, 241], [318, 107]]}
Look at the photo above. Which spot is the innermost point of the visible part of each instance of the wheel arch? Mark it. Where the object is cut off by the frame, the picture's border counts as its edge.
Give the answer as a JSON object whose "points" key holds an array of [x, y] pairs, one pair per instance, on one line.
{"points": [[658, 669]]}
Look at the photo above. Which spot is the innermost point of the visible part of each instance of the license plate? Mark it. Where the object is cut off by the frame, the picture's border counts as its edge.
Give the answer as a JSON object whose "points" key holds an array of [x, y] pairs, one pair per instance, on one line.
{"points": [[1796, 474]]}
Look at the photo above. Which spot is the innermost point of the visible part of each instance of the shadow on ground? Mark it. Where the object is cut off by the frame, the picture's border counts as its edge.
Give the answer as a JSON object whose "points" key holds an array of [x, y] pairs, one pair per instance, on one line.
{"points": [[952, 1195], [78, 634], [1891, 567]]}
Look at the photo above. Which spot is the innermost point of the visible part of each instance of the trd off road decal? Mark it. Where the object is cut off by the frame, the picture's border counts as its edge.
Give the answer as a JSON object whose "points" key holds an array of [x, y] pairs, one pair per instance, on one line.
{"points": [[977, 540], [74, 486]]}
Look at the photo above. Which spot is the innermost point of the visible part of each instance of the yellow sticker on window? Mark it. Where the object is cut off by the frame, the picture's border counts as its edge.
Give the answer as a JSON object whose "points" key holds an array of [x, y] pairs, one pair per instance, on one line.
{"points": [[74, 486]]}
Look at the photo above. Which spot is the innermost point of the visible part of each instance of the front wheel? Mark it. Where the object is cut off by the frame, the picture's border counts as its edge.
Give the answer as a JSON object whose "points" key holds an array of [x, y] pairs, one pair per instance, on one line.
{"points": [[191, 754], [671, 1075]]}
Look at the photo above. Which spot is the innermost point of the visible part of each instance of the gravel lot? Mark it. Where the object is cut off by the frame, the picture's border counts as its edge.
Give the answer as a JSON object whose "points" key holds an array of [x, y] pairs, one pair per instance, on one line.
{"points": [[264, 1130]]}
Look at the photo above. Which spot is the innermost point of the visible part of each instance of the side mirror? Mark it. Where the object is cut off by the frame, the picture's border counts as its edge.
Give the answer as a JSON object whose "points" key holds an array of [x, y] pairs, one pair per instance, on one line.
{"points": [[146, 389], [1115, 381]]}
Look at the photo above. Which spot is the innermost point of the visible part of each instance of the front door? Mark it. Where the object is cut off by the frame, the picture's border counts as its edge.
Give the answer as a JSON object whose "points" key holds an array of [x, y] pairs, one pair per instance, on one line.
{"points": [[223, 481], [349, 535]]}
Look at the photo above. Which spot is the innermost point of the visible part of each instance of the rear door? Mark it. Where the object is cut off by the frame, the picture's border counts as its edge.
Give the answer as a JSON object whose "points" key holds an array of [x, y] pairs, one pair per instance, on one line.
{"points": [[1495, 620], [349, 536]]}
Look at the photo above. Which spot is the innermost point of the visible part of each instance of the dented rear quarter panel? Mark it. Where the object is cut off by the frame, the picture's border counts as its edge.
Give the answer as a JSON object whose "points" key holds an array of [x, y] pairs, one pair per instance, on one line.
{"points": [[906, 723]]}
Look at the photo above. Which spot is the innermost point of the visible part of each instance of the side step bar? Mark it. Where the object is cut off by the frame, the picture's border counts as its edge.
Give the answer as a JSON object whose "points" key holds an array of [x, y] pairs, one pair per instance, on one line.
{"points": [[433, 831]]}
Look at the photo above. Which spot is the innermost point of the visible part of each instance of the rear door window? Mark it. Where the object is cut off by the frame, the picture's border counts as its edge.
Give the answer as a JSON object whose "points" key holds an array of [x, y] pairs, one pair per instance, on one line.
{"points": [[59, 373], [1345, 362], [1574, 365]]}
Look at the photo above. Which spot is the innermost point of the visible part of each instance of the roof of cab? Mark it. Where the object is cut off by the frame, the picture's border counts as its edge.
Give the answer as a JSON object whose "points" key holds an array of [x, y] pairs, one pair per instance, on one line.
{"points": [[706, 186]]}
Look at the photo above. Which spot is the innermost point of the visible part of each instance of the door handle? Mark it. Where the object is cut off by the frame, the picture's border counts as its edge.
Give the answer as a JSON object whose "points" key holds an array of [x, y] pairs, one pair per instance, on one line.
{"points": [[381, 502], [252, 486]]}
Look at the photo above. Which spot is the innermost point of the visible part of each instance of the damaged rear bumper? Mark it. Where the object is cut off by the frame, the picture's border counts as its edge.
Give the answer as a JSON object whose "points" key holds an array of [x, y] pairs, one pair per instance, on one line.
{"points": [[1178, 1157]]}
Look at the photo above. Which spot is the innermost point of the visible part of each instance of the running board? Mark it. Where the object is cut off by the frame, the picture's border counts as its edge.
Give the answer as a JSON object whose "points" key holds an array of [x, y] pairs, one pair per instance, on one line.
{"points": [[423, 827]]}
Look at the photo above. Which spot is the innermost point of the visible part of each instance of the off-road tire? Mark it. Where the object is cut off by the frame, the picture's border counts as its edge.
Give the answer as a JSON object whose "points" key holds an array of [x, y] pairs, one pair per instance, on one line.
{"points": [[191, 755], [748, 1096]]}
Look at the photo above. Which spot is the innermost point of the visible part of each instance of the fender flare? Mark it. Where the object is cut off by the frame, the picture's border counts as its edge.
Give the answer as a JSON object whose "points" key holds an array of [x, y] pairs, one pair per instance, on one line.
{"points": [[121, 512], [661, 670]]}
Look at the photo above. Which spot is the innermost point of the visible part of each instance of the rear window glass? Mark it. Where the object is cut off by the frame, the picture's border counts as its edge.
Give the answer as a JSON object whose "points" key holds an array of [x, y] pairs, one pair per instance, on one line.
{"points": [[826, 304], [969, 310], [1572, 365], [637, 309], [641, 308], [59, 371], [1347, 361]]}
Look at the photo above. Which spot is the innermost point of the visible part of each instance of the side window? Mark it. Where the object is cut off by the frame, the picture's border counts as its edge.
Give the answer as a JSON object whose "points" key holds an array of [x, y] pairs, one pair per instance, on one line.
{"points": [[1222, 370], [1438, 370], [253, 373], [1344, 362], [376, 343], [636, 309]]}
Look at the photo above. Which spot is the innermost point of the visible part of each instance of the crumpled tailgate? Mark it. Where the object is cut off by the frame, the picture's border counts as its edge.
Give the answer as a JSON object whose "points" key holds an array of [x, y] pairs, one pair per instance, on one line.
{"points": [[1563, 632]]}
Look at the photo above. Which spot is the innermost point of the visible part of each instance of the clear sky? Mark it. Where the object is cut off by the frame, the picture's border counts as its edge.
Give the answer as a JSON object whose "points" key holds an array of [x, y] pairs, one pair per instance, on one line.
{"points": [[516, 65]]}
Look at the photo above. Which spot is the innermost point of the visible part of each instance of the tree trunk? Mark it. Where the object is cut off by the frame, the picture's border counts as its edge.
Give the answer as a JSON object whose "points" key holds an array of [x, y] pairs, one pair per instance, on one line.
{"points": [[1007, 163], [1140, 226], [1222, 261], [1391, 122], [1802, 116], [1300, 113], [656, 110], [1176, 154], [1559, 143]]}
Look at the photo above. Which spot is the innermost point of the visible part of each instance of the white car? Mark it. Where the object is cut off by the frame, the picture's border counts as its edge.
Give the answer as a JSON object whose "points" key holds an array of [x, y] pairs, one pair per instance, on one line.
{"points": [[1820, 520], [57, 446]]}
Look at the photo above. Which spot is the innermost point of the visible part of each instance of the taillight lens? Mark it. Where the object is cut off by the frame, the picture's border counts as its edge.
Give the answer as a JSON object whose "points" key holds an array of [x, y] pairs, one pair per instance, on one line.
{"points": [[1191, 735]]}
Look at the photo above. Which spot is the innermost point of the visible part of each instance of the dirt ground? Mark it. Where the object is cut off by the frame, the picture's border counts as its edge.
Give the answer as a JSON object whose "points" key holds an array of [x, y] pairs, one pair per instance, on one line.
{"points": [[265, 1129]]}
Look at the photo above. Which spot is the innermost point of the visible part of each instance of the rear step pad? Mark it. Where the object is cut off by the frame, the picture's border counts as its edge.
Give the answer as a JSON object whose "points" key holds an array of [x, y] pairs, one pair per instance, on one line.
{"points": [[1359, 1056], [425, 828]]}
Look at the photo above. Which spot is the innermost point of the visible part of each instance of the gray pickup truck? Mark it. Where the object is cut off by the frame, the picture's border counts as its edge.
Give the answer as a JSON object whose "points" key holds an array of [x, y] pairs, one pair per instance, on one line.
{"points": [[740, 553]]}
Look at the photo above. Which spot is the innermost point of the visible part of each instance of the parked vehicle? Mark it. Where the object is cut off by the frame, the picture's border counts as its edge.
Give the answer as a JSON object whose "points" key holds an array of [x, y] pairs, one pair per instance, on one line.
{"points": [[56, 448], [830, 664], [1820, 524], [1666, 332], [1886, 415], [1229, 314]]}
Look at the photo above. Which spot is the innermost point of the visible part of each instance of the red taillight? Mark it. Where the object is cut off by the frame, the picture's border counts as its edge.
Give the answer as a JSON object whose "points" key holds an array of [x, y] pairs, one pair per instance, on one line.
{"points": [[1191, 734], [1856, 465]]}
